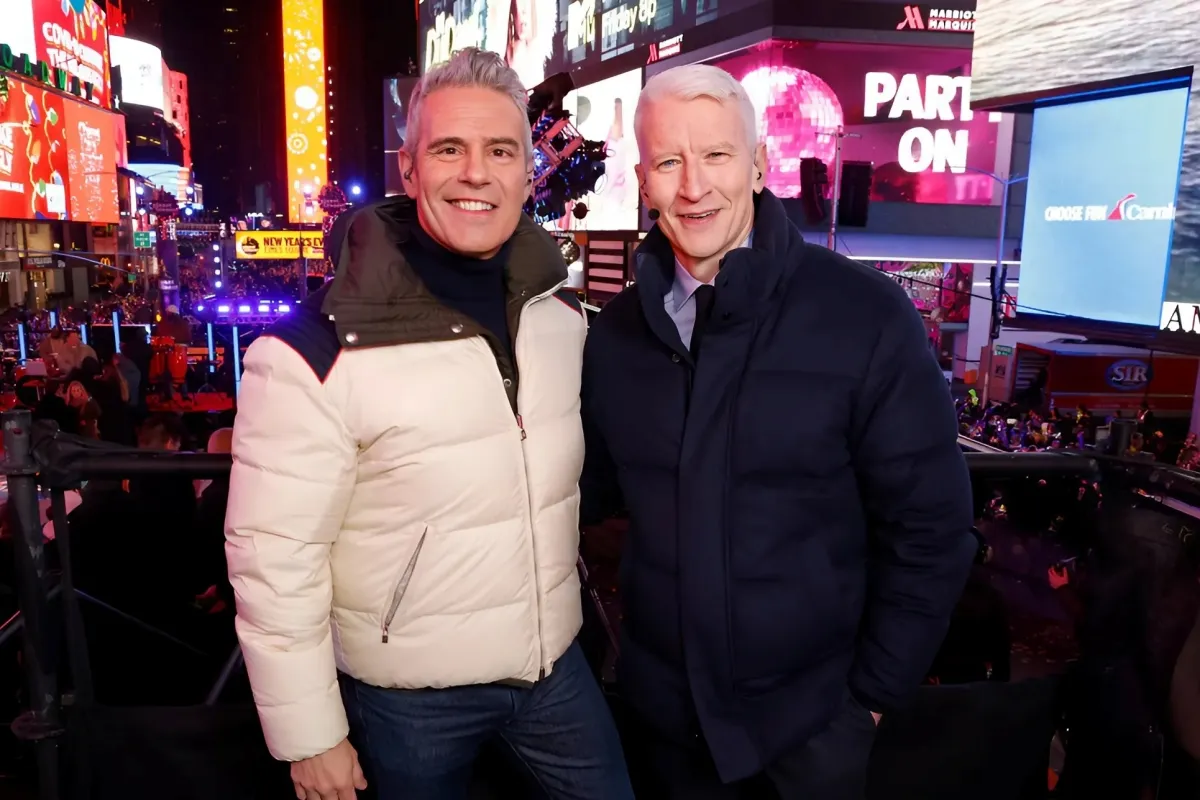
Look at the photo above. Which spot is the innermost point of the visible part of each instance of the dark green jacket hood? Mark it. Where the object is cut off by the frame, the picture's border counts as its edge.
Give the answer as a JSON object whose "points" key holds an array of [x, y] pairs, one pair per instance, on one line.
{"points": [[377, 299]]}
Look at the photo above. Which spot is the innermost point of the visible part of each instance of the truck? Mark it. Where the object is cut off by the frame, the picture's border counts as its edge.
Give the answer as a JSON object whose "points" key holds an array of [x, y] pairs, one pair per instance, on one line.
{"points": [[1107, 379]]}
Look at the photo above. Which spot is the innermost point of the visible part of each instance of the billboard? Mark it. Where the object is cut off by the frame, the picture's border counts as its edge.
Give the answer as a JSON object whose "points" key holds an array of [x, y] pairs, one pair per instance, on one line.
{"points": [[304, 105], [33, 151], [1100, 206], [597, 30], [279, 245], [142, 72], [603, 112], [396, 93], [68, 35], [92, 160], [539, 38], [447, 26], [907, 110], [1026, 48]]}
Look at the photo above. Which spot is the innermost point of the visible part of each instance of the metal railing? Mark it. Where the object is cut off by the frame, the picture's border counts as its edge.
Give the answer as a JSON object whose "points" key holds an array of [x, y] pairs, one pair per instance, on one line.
{"points": [[60, 463]]}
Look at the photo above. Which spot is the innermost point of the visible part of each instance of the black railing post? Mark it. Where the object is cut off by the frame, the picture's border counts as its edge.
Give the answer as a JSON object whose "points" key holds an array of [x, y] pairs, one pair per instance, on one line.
{"points": [[77, 646], [41, 724]]}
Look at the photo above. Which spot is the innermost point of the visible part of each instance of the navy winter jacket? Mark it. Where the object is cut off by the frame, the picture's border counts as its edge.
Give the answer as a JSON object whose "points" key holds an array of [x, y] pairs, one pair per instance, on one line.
{"points": [[800, 508]]}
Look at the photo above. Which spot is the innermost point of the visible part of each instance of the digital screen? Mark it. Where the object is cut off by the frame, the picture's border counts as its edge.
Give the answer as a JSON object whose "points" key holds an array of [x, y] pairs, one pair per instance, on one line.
{"points": [[279, 245], [603, 112], [540, 38], [304, 99], [523, 31], [142, 72], [71, 35], [396, 94], [907, 110], [171, 177], [592, 31], [1100, 206], [1025, 47], [92, 163], [33, 151]]}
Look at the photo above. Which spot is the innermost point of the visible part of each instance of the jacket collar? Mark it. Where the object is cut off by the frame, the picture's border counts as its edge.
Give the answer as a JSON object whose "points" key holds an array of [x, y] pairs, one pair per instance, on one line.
{"points": [[377, 299], [747, 278]]}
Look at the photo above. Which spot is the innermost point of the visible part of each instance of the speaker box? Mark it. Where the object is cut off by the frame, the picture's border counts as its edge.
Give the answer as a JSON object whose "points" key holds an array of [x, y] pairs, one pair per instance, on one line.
{"points": [[855, 197], [814, 178]]}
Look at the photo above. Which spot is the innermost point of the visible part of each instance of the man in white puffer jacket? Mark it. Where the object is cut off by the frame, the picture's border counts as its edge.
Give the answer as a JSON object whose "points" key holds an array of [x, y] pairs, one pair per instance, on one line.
{"points": [[403, 512]]}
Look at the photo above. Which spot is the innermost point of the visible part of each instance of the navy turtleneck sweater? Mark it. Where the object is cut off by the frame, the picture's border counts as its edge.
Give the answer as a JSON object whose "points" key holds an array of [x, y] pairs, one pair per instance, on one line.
{"points": [[472, 286]]}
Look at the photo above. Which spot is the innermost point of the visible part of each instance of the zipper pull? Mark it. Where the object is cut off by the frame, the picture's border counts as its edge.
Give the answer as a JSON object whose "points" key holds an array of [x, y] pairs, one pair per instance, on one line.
{"points": [[521, 425], [385, 635]]}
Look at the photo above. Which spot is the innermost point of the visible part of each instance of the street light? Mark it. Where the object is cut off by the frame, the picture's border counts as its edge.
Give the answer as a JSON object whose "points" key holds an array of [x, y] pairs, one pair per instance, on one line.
{"points": [[998, 278]]}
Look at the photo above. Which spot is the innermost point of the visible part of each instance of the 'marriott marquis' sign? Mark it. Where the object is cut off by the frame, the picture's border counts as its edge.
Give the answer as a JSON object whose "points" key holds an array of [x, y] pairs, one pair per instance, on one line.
{"points": [[56, 77], [1181, 317]]}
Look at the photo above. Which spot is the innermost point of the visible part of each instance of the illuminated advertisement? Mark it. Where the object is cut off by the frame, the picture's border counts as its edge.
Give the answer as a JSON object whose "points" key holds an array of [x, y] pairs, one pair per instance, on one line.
{"points": [[70, 36], [539, 38], [304, 103], [33, 151], [279, 245], [603, 112], [926, 18], [396, 93], [523, 31], [1100, 206], [141, 67], [939, 290], [1025, 48], [92, 163], [597, 30], [907, 110]]}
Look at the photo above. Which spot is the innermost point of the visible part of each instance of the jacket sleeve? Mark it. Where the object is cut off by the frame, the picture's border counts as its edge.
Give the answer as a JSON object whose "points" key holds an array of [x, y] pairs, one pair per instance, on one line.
{"points": [[917, 497], [293, 473], [599, 491]]}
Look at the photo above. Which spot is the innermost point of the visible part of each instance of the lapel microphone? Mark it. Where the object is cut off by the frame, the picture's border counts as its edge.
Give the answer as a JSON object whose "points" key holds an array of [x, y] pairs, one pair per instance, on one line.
{"points": [[652, 214]]}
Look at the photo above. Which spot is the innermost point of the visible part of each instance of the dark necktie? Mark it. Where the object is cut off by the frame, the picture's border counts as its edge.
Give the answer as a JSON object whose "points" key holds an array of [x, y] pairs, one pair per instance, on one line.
{"points": [[705, 297]]}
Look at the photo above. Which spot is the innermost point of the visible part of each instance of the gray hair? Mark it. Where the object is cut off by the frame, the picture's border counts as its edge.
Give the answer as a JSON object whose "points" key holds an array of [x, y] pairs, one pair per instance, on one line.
{"points": [[693, 81], [469, 68]]}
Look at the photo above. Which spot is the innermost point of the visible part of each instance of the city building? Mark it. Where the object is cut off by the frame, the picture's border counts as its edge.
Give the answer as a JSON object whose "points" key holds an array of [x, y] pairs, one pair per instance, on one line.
{"points": [[231, 51], [59, 183], [358, 58], [138, 19], [176, 112]]}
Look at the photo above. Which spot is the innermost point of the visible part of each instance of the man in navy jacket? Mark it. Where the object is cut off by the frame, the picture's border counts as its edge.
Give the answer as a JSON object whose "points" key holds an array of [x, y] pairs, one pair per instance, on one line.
{"points": [[771, 416]]}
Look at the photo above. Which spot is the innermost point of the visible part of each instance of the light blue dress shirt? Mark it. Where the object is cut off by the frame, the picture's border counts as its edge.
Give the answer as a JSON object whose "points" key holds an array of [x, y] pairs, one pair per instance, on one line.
{"points": [[680, 300]]}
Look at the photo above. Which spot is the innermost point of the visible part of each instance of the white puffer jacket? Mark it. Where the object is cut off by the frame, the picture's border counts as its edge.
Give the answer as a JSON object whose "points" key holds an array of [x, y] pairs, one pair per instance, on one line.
{"points": [[396, 521]]}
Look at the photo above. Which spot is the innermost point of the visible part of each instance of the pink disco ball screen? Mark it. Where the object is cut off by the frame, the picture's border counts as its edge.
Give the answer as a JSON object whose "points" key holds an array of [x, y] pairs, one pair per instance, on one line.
{"points": [[905, 109]]}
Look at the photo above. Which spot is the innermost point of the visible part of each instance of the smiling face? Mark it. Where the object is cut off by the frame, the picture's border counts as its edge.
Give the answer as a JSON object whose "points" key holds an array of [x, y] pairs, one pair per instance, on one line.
{"points": [[77, 396], [469, 169], [700, 173]]}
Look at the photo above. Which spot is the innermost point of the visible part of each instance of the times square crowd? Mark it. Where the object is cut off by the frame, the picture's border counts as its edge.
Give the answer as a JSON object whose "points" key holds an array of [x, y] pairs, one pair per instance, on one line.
{"points": [[275, 280], [1032, 424]]}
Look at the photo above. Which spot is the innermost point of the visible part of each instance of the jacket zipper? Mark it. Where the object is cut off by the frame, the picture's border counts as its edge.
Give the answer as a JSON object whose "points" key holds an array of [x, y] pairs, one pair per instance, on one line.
{"points": [[402, 585], [537, 578]]}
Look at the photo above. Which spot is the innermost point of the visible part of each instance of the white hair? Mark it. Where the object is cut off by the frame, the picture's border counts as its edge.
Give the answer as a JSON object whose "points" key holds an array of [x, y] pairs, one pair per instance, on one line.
{"points": [[469, 68], [693, 81]]}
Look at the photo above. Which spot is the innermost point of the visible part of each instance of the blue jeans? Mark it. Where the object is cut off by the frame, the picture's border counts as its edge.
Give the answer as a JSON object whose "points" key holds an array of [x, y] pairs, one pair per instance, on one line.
{"points": [[421, 744]]}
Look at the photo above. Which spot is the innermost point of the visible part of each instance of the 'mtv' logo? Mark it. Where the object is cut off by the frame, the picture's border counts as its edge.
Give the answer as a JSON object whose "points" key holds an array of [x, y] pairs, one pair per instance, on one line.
{"points": [[912, 19]]}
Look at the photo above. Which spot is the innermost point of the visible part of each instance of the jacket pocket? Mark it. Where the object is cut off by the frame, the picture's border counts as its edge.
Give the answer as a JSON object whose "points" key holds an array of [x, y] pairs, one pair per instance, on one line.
{"points": [[402, 586], [782, 627]]}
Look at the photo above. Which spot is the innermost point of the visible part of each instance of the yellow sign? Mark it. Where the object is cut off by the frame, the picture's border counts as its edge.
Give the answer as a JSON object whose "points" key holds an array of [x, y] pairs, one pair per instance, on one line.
{"points": [[305, 94], [282, 245]]}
